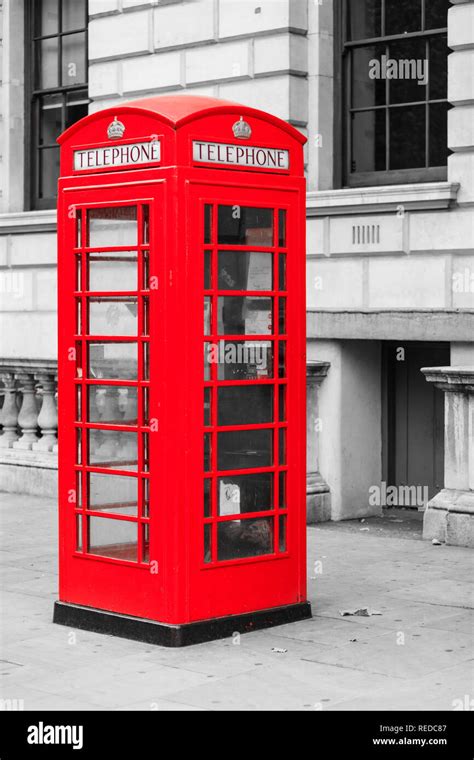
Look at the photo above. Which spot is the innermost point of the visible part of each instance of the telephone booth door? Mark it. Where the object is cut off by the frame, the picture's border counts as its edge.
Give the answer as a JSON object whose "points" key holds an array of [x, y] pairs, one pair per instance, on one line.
{"points": [[109, 268], [247, 280]]}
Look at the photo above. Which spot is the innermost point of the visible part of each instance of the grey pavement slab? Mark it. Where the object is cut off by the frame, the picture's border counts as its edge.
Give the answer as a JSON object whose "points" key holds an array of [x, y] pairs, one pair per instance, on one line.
{"points": [[416, 655]]}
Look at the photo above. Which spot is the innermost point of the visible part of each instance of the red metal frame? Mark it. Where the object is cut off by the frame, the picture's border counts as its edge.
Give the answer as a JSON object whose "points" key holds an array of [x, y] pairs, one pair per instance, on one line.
{"points": [[171, 576]]}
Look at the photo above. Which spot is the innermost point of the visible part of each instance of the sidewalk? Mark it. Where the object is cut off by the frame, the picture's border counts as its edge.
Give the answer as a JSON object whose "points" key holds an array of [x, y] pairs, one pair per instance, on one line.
{"points": [[416, 655]]}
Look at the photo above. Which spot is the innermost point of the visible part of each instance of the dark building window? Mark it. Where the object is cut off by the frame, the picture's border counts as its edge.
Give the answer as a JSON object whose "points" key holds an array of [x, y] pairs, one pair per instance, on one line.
{"points": [[395, 89], [56, 34]]}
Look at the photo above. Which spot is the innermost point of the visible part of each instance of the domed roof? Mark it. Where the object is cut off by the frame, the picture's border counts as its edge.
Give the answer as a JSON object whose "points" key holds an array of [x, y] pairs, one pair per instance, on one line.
{"points": [[176, 110]]}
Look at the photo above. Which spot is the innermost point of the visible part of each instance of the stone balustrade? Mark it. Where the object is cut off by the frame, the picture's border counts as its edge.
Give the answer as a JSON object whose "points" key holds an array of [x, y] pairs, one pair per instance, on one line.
{"points": [[28, 416], [28, 426]]}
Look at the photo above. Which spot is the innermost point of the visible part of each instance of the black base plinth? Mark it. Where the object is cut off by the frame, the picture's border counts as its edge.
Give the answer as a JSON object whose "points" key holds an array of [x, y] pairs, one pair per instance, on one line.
{"points": [[163, 634]]}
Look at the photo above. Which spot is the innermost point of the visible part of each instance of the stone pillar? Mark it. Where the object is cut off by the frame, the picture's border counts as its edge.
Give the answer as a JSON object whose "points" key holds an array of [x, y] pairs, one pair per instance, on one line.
{"points": [[449, 516], [9, 413], [28, 417], [48, 416], [318, 497]]}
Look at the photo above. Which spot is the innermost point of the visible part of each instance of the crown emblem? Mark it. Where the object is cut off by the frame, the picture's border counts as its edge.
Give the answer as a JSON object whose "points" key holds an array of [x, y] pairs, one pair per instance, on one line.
{"points": [[115, 129], [241, 129]]}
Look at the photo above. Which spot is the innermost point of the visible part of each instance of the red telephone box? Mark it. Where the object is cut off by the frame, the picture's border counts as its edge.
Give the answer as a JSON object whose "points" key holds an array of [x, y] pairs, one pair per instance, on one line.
{"points": [[182, 460]]}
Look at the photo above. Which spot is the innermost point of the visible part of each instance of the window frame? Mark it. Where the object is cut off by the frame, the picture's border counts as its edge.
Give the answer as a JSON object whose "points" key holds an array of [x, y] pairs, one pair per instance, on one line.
{"points": [[343, 132], [33, 95]]}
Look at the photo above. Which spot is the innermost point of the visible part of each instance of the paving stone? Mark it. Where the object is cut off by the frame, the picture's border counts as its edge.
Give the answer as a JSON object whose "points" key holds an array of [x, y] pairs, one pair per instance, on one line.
{"points": [[424, 593]]}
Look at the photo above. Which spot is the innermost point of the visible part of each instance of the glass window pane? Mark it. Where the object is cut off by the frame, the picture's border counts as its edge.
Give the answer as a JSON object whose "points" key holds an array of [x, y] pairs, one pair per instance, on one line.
{"points": [[244, 405], [210, 357], [145, 270], [113, 449], [207, 497], [438, 71], [207, 270], [146, 543], [113, 271], [237, 539], [244, 315], [78, 317], [79, 446], [112, 404], [207, 543], [146, 361], [282, 490], [78, 403], [113, 361], [78, 284], [112, 538], [207, 452], [282, 446], [407, 137], [146, 496], [411, 69], [113, 316], [282, 271], [282, 316], [78, 213], [73, 15], [207, 406], [238, 494], [241, 360], [47, 63], [282, 403], [113, 494], [363, 19], [282, 228], [146, 452], [207, 315], [282, 359], [74, 59], [239, 270], [46, 17], [368, 141], [112, 226], [146, 405], [244, 225], [74, 112], [282, 531], [207, 223], [367, 86], [146, 224], [242, 449], [50, 119], [439, 134], [436, 14], [48, 172], [79, 533], [402, 16]]}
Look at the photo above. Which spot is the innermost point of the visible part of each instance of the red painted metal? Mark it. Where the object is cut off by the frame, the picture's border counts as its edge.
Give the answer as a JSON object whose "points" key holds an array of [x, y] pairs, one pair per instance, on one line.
{"points": [[132, 429]]}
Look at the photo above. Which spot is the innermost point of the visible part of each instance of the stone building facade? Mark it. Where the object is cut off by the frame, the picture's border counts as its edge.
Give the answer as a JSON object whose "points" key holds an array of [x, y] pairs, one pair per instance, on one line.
{"points": [[390, 253]]}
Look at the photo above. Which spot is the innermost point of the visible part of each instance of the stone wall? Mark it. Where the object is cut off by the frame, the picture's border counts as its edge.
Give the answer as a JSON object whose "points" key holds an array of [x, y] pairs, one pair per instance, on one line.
{"points": [[253, 52]]}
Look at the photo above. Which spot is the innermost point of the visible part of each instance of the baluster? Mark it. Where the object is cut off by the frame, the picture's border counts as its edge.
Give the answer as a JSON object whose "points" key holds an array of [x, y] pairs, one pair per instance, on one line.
{"points": [[9, 412], [48, 417], [28, 417]]}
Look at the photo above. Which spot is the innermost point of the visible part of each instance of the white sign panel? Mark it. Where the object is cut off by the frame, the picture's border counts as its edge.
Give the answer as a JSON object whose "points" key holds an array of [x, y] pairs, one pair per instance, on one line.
{"points": [[240, 155], [130, 154]]}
